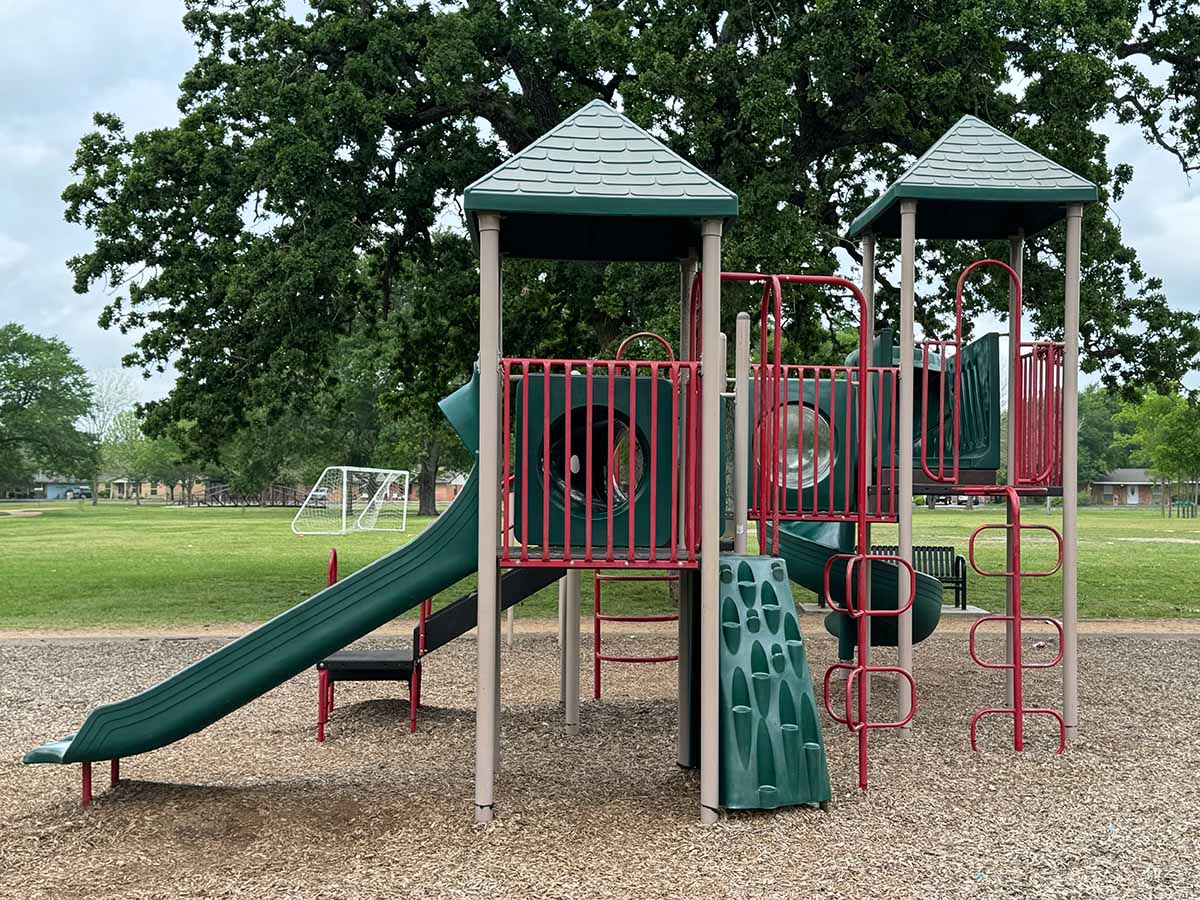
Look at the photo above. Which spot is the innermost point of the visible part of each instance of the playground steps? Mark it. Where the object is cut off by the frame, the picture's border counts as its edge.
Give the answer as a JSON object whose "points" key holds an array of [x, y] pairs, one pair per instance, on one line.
{"points": [[772, 752]]}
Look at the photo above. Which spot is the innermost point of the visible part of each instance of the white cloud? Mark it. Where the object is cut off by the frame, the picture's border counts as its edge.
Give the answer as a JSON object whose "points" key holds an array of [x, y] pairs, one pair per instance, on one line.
{"points": [[12, 251]]}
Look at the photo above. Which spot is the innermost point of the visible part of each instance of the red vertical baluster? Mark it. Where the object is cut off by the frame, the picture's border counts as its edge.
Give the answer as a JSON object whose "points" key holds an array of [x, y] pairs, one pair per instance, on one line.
{"points": [[504, 498], [610, 458], [630, 506], [653, 460], [588, 471], [675, 436], [569, 390], [545, 459], [524, 460]]}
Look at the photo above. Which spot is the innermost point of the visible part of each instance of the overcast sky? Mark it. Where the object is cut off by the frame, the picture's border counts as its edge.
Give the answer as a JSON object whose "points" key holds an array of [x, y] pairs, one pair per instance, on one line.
{"points": [[62, 60]]}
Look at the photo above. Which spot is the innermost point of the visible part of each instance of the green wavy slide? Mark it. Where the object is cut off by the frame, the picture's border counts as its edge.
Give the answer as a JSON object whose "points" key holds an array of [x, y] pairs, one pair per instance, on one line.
{"points": [[806, 546], [294, 640]]}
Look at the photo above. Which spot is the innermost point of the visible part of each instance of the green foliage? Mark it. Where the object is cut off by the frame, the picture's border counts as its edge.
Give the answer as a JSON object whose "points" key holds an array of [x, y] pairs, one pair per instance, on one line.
{"points": [[1101, 448], [1165, 435], [303, 186], [43, 394]]}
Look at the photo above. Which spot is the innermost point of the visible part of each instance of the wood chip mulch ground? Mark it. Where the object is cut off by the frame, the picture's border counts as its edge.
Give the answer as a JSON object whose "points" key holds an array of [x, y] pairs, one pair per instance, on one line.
{"points": [[253, 807]]}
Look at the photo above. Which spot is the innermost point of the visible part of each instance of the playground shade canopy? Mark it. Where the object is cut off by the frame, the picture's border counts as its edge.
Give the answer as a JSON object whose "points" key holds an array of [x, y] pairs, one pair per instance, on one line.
{"points": [[598, 186], [977, 183]]}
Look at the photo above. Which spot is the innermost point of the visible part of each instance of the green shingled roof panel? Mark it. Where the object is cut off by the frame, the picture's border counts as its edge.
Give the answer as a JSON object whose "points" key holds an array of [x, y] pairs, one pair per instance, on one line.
{"points": [[597, 162], [974, 164]]}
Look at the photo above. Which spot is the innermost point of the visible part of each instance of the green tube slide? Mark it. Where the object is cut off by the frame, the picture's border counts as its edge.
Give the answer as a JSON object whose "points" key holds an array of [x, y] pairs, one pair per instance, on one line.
{"points": [[294, 640], [807, 546]]}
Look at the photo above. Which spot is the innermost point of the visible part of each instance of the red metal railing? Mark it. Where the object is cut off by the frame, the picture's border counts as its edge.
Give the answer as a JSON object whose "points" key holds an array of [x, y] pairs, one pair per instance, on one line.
{"points": [[599, 545], [819, 493], [597, 617], [1015, 620], [855, 589], [1035, 399], [1036, 402]]}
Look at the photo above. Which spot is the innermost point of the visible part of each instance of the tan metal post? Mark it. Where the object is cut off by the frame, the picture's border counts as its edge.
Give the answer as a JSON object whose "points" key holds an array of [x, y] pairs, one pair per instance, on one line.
{"points": [[904, 501], [710, 526], [488, 622], [741, 431], [571, 656], [562, 640], [1016, 259], [685, 698], [1071, 470]]}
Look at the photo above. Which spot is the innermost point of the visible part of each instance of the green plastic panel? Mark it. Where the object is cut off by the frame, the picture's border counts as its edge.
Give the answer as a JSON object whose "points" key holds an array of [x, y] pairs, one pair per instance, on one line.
{"points": [[772, 752]]}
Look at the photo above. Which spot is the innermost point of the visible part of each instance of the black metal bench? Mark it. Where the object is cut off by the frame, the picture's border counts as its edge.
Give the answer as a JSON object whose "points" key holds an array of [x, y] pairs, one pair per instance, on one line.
{"points": [[941, 563]]}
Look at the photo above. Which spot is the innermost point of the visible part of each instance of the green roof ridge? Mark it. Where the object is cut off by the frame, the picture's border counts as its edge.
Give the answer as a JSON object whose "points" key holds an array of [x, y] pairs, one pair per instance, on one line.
{"points": [[975, 161], [597, 161]]}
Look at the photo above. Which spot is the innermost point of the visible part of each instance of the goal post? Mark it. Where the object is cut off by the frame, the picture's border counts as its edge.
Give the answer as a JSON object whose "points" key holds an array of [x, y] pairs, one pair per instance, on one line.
{"points": [[355, 498]]}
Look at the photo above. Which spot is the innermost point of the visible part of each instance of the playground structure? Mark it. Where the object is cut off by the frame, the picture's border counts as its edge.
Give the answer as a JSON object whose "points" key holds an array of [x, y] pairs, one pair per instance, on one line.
{"points": [[617, 465]]}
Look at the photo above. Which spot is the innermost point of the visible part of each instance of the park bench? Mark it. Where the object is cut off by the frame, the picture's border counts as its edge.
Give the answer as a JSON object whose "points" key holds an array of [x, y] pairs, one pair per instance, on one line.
{"points": [[941, 563]]}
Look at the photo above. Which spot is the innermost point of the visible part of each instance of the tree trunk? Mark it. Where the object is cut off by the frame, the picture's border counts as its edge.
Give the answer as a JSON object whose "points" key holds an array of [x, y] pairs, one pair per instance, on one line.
{"points": [[95, 490], [427, 480]]}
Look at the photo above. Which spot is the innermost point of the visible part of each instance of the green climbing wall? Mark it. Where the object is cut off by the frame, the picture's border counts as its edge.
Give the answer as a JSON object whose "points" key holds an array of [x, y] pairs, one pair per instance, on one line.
{"points": [[772, 753]]}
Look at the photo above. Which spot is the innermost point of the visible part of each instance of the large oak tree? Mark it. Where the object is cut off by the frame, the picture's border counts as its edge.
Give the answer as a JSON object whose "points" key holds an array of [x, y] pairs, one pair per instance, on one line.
{"points": [[315, 162]]}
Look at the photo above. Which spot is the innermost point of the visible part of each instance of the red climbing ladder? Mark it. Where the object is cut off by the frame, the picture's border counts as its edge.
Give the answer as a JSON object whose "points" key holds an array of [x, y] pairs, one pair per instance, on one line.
{"points": [[855, 589], [1015, 619]]}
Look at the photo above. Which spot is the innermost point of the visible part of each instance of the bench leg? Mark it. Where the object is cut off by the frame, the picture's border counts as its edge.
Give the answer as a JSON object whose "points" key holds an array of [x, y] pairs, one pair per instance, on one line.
{"points": [[324, 693]]}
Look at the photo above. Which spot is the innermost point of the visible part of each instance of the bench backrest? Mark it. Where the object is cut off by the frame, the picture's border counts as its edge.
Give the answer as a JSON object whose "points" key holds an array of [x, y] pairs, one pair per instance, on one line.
{"points": [[929, 559]]}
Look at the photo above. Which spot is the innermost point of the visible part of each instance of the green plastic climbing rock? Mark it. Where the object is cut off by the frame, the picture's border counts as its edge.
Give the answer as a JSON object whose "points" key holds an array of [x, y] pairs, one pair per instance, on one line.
{"points": [[772, 753]]}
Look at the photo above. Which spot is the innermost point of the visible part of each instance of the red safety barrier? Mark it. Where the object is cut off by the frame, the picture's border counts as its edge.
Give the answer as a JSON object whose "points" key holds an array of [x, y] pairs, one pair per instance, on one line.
{"points": [[1037, 403], [818, 493], [1015, 619], [597, 617], [601, 547]]}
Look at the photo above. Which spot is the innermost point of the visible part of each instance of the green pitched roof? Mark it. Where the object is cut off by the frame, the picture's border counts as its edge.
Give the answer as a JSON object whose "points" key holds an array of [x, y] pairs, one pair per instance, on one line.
{"points": [[976, 182], [598, 186]]}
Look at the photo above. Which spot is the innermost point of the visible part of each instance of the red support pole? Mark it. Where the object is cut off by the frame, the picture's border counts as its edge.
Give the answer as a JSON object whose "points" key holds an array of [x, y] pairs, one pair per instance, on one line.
{"points": [[87, 784], [115, 772], [323, 689], [332, 576]]}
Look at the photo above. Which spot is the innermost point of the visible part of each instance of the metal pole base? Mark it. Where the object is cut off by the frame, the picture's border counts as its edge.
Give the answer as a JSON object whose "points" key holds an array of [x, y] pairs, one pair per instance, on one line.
{"points": [[484, 815]]}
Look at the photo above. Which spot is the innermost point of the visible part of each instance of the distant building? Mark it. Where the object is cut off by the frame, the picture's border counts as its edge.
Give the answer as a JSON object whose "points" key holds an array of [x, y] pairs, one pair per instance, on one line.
{"points": [[1128, 487], [447, 488]]}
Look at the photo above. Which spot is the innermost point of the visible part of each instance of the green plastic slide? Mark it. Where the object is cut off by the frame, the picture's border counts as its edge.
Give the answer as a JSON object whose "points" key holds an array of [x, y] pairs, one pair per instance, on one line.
{"points": [[281, 648], [294, 640], [807, 546], [772, 753]]}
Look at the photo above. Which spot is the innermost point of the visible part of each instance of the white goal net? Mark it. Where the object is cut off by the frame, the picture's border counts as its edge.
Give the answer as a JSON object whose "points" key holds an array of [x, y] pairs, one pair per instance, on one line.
{"points": [[346, 499]]}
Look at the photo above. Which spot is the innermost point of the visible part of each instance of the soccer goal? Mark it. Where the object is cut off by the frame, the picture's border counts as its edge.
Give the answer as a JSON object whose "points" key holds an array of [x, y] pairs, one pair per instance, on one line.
{"points": [[346, 498]]}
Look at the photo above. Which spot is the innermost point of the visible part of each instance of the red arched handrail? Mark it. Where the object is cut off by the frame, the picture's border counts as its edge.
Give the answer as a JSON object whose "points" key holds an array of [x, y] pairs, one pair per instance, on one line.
{"points": [[646, 335]]}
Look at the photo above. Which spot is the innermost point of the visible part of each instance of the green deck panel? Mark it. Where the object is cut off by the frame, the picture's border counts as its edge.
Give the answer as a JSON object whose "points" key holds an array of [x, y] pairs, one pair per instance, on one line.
{"points": [[807, 546], [598, 186], [976, 182], [772, 751]]}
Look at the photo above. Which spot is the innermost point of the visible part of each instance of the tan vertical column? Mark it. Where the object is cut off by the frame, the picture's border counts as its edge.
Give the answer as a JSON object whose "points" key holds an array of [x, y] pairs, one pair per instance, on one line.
{"points": [[904, 477], [685, 694], [868, 396], [571, 652], [488, 687], [1071, 470], [712, 383], [1016, 259]]}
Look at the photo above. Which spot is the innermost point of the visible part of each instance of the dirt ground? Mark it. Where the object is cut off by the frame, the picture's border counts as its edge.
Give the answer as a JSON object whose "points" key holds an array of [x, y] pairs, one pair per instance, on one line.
{"points": [[254, 807]]}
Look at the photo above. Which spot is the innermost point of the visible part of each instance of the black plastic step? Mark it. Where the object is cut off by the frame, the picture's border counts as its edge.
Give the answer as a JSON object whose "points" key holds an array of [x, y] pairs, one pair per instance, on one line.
{"points": [[462, 615]]}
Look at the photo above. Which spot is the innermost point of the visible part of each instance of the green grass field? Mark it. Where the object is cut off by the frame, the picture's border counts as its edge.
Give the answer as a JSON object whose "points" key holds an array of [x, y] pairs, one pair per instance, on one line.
{"points": [[119, 565]]}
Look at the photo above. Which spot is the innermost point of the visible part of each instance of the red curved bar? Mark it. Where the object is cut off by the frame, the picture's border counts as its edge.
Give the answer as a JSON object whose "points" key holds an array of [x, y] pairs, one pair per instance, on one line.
{"points": [[647, 335]]}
